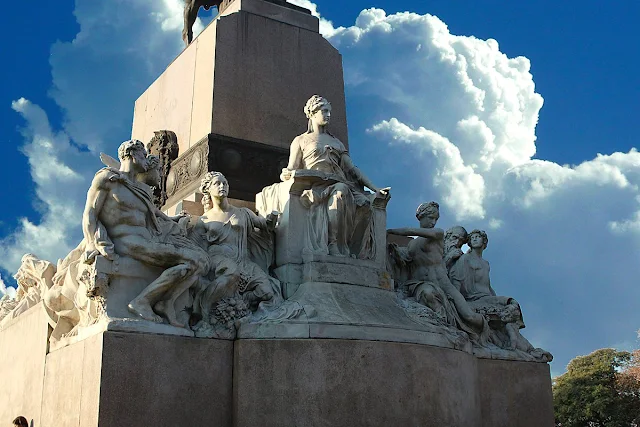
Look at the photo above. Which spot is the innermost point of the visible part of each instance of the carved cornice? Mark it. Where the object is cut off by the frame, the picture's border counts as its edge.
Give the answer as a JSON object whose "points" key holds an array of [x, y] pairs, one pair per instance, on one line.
{"points": [[187, 168], [249, 166], [284, 3]]}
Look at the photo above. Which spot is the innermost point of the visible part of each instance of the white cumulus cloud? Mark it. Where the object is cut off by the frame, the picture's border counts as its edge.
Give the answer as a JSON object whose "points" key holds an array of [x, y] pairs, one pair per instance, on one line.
{"points": [[6, 290], [452, 118], [120, 49], [326, 26], [54, 181]]}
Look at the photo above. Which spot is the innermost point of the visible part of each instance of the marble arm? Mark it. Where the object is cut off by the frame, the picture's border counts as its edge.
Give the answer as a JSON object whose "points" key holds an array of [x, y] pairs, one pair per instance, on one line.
{"points": [[96, 197], [362, 178], [268, 223], [175, 218], [429, 233], [295, 160]]}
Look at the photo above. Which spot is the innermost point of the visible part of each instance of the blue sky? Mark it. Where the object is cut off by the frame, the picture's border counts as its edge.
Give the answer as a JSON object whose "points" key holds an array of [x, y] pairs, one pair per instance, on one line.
{"points": [[498, 110]]}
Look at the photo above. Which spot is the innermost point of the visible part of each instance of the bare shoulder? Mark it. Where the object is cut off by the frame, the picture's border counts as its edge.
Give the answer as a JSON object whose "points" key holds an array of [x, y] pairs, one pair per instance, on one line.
{"points": [[103, 178], [298, 140], [418, 242]]}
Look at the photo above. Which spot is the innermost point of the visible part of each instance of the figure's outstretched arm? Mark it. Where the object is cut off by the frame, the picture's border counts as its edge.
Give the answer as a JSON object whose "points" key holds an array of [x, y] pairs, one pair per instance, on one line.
{"points": [[96, 196], [429, 233], [361, 177]]}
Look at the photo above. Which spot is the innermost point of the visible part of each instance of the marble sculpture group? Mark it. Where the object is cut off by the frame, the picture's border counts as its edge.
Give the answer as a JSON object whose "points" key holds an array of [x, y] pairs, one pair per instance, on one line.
{"points": [[209, 275]]}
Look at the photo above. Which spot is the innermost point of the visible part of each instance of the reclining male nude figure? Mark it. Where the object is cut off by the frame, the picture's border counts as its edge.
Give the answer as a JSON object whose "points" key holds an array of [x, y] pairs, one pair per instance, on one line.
{"points": [[120, 219]]}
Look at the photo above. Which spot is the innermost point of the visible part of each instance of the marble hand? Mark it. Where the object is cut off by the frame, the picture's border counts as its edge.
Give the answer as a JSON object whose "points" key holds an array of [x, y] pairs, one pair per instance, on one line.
{"points": [[286, 174]]}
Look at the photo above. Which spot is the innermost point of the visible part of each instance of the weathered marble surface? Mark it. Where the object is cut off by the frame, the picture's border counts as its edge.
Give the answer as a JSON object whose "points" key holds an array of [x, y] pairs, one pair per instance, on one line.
{"points": [[34, 278], [470, 273], [433, 271], [23, 349], [311, 263], [349, 382], [332, 310], [114, 379]]}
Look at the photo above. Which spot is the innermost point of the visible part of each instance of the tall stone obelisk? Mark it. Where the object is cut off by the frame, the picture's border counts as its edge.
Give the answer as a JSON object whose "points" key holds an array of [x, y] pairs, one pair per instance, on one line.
{"points": [[234, 97]]}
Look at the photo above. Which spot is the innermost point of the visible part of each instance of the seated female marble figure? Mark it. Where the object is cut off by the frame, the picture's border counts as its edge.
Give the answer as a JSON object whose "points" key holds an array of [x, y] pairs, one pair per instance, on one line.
{"points": [[340, 208], [237, 240], [470, 274]]}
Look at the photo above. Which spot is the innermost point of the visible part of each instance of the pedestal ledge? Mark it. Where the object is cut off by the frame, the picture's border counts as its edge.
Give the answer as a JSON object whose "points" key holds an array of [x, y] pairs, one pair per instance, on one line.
{"points": [[343, 311]]}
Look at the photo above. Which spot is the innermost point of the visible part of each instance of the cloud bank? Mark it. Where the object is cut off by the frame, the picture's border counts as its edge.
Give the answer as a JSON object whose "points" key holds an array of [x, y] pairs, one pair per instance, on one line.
{"points": [[6, 290], [436, 116], [121, 47], [458, 118]]}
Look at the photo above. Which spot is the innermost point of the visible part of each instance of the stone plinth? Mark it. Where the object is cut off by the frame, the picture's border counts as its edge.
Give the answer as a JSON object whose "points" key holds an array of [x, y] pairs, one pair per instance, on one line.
{"points": [[23, 348], [297, 260], [518, 391], [248, 76], [118, 379], [117, 283], [361, 383], [341, 311], [115, 379]]}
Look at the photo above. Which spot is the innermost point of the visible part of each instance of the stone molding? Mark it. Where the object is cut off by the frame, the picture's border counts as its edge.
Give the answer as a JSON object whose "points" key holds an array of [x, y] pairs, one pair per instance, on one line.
{"points": [[249, 166]]}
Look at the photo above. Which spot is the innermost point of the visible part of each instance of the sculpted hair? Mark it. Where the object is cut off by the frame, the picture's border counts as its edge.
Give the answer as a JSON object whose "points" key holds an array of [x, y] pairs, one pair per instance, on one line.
{"points": [[127, 147], [23, 278], [205, 185], [153, 162], [482, 234], [426, 208], [315, 103]]}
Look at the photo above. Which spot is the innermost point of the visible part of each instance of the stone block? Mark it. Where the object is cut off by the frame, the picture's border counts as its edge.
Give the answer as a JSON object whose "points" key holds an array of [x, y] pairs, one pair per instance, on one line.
{"points": [[23, 348], [72, 385], [320, 382], [263, 61], [115, 379], [289, 14], [515, 394], [352, 383], [248, 166]]}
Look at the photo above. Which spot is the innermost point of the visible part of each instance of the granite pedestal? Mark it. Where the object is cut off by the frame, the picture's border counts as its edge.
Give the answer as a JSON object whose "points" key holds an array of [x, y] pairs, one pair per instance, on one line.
{"points": [[117, 379], [234, 97]]}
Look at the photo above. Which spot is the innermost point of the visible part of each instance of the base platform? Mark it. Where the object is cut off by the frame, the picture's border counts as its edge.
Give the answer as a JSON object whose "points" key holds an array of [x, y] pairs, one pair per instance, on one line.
{"points": [[119, 378]]}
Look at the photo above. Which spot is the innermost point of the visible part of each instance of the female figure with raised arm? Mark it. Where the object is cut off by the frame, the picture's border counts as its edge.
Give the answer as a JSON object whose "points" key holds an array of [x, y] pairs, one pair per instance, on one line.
{"points": [[340, 207]]}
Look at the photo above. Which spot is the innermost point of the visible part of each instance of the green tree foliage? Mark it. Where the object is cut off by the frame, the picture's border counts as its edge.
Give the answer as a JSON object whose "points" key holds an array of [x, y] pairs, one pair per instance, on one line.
{"points": [[599, 390]]}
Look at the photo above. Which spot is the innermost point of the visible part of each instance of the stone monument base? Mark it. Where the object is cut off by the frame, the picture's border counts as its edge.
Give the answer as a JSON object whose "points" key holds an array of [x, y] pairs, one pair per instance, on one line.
{"points": [[370, 383], [118, 379], [115, 379]]}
